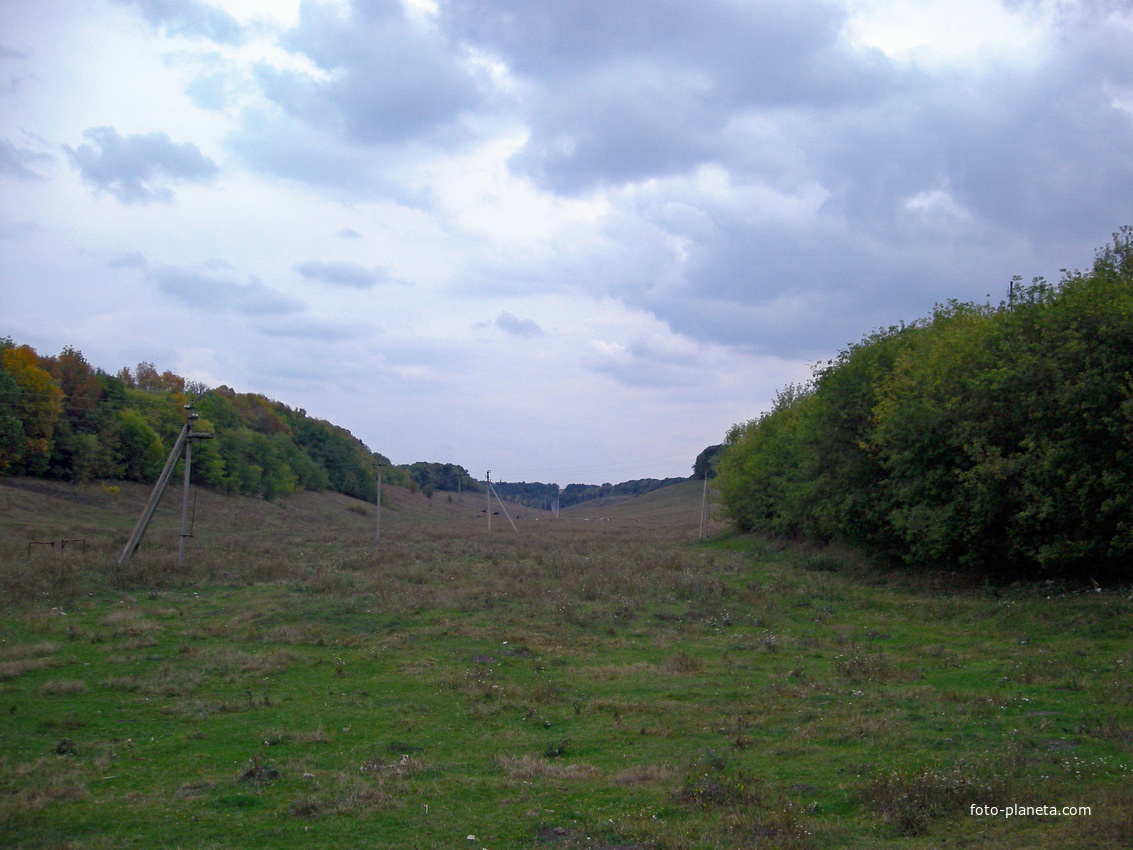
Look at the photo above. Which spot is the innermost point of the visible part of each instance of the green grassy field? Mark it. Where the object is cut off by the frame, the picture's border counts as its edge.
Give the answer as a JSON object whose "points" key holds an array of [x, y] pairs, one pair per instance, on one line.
{"points": [[603, 680]]}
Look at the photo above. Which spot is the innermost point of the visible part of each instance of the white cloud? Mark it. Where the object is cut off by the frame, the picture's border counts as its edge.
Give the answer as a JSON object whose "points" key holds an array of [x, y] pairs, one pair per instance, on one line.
{"points": [[933, 32], [937, 205]]}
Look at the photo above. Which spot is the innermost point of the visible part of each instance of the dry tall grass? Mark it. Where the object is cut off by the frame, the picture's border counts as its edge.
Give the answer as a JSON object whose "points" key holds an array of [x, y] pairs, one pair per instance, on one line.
{"points": [[584, 567]]}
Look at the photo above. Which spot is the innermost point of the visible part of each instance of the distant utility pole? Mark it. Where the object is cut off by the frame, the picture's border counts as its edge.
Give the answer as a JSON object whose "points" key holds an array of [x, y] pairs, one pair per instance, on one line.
{"points": [[488, 478], [378, 511], [704, 508]]}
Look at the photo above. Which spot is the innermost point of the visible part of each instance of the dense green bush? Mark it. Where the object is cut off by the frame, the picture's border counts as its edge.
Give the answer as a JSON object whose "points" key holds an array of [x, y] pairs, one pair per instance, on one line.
{"points": [[997, 439]]}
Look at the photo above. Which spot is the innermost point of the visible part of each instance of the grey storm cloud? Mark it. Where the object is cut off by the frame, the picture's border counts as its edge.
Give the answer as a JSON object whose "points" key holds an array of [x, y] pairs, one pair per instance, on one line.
{"points": [[623, 91], [853, 189], [879, 186], [342, 274], [211, 291], [190, 18], [134, 169], [386, 80]]}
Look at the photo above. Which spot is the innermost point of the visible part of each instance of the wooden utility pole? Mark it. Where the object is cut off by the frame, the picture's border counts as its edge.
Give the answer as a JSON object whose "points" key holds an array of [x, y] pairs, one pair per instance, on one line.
{"points": [[184, 438], [704, 509], [185, 502], [378, 511], [488, 478], [155, 496]]}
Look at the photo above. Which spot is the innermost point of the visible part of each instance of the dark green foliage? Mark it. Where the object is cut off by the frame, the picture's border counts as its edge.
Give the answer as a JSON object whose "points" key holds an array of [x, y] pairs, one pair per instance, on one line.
{"points": [[705, 463], [539, 495], [59, 418], [573, 494], [536, 494], [11, 428], [430, 477], [994, 439], [140, 453]]}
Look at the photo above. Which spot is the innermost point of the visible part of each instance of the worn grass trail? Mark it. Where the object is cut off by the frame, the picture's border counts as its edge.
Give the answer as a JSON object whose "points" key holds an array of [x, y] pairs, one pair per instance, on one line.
{"points": [[599, 681]]}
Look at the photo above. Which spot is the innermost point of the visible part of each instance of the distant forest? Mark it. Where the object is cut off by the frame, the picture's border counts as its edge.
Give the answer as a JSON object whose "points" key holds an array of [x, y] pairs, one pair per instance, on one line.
{"points": [[996, 439], [64, 419], [539, 495]]}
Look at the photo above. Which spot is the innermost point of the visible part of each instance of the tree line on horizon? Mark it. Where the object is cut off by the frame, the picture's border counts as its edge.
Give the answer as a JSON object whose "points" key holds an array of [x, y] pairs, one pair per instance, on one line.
{"points": [[538, 494], [993, 439], [63, 419]]}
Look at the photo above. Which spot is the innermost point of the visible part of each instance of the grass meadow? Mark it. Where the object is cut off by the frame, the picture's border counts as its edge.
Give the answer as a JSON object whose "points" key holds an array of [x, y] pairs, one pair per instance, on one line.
{"points": [[603, 680]]}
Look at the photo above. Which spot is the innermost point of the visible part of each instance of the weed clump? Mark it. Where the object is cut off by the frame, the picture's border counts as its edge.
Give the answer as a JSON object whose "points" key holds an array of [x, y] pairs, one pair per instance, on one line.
{"points": [[258, 773], [63, 687], [746, 809], [913, 800], [347, 796], [528, 768], [711, 780]]}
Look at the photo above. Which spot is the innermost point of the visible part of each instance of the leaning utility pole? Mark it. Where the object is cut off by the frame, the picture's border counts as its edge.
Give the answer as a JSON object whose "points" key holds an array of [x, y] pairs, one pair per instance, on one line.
{"points": [[184, 438], [500, 502], [491, 492]]}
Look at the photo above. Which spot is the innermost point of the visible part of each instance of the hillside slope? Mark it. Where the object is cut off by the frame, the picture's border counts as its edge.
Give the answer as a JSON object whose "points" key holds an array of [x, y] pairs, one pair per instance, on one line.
{"points": [[675, 504], [101, 516]]}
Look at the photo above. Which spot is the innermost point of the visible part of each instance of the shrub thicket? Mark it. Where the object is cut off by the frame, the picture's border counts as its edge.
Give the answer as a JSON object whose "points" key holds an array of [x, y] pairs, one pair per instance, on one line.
{"points": [[997, 439]]}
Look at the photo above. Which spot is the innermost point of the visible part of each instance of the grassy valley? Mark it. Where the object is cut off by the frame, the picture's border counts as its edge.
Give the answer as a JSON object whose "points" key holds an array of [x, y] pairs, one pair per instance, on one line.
{"points": [[602, 680]]}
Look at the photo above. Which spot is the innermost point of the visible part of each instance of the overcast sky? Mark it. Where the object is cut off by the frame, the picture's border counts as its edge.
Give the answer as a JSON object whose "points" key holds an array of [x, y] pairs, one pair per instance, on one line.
{"points": [[564, 240]]}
